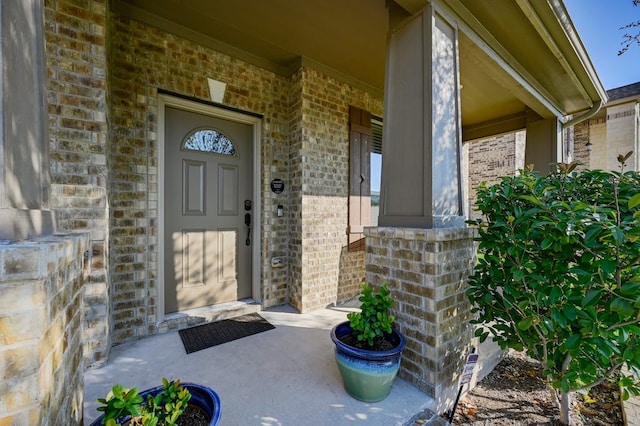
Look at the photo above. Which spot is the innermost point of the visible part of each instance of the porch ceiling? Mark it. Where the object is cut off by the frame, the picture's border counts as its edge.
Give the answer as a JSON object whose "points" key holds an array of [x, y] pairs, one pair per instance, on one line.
{"points": [[347, 36], [517, 57]]}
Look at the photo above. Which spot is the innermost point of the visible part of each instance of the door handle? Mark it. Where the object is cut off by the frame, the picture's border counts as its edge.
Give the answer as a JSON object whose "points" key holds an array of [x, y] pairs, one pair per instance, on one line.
{"points": [[247, 221]]}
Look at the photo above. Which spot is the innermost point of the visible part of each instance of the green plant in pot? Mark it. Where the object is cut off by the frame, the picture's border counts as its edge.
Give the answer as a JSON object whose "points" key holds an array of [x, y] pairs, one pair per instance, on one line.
{"points": [[368, 349], [159, 406]]}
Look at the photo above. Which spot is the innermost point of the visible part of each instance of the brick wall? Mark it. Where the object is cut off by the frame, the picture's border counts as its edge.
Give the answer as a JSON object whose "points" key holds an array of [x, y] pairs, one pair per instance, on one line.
{"points": [[426, 271], [105, 142], [610, 136], [581, 138], [77, 98], [488, 159], [143, 60], [296, 160], [304, 142], [329, 272], [41, 322], [351, 274]]}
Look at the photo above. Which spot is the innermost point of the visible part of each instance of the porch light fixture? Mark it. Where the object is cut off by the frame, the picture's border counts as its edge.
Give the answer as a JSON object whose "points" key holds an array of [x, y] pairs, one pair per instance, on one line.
{"points": [[216, 90], [589, 146]]}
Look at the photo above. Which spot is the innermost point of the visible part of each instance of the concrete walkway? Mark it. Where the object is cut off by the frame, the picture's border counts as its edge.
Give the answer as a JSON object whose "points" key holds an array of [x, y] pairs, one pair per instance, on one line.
{"points": [[286, 376]]}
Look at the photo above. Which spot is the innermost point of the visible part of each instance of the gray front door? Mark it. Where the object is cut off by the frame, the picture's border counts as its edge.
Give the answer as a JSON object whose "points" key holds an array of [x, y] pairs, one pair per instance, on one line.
{"points": [[208, 188]]}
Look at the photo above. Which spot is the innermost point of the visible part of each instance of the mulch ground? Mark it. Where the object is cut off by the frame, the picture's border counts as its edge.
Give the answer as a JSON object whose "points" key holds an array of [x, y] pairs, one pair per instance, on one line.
{"points": [[515, 394]]}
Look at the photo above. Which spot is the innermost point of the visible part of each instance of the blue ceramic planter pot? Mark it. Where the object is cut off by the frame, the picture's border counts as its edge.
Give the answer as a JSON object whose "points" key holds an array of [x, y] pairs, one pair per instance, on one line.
{"points": [[367, 375], [202, 396]]}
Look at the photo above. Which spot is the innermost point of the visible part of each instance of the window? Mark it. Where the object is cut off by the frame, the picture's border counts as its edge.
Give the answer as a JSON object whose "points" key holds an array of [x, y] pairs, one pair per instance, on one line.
{"points": [[365, 171], [209, 140], [375, 153]]}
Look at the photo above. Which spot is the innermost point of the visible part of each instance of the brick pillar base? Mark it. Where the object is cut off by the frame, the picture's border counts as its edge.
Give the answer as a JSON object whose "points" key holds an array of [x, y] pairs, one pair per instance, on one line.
{"points": [[426, 271], [41, 320]]}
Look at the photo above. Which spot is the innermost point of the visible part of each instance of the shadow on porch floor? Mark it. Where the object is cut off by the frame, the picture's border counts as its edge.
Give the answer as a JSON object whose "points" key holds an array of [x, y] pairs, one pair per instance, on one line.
{"points": [[285, 376]]}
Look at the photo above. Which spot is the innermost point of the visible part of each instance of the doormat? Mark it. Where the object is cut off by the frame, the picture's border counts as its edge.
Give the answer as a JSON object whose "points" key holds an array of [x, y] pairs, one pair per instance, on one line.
{"points": [[219, 332]]}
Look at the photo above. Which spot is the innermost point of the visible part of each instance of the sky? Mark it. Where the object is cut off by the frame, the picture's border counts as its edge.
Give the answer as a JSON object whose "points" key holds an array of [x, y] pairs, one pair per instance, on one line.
{"points": [[598, 23]]}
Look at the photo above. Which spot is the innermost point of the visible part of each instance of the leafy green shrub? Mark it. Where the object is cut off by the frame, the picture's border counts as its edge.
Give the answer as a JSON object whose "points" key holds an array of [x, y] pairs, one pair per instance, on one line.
{"points": [[374, 319], [558, 274], [160, 410], [120, 402]]}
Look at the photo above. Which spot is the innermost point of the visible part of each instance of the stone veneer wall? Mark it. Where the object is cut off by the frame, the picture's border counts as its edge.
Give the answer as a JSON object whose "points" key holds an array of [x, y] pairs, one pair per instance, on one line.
{"points": [[41, 337], [76, 34], [426, 271]]}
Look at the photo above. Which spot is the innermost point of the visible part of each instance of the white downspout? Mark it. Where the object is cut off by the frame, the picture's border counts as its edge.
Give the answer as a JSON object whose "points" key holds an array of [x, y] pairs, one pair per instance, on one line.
{"points": [[636, 144]]}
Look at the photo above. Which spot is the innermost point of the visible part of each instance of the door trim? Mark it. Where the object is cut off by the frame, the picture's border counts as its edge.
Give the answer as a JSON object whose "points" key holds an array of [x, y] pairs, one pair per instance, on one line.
{"points": [[166, 100]]}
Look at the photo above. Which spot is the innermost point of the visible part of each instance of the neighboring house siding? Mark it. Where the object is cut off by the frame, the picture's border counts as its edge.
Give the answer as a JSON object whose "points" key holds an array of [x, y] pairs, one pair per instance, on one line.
{"points": [[598, 138], [76, 38], [581, 138], [615, 134], [621, 126]]}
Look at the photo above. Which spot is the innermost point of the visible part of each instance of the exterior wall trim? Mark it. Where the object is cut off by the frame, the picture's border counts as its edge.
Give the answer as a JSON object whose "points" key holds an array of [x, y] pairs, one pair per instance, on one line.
{"points": [[231, 114], [199, 101]]}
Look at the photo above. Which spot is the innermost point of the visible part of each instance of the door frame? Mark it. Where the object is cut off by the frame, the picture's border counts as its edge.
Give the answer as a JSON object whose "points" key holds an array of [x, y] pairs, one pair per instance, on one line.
{"points": [[255, 121]]}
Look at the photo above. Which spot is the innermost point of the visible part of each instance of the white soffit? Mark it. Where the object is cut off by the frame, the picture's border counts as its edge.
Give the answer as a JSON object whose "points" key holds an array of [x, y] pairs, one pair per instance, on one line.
{"points": [[536, 47]]}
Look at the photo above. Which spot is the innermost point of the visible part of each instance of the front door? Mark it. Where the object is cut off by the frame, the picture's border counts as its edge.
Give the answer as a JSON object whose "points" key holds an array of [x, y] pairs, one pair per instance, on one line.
{"points": [[208, 210]]}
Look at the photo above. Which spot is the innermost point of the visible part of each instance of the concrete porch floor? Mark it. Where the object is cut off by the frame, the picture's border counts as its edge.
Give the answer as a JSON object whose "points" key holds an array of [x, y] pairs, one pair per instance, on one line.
{"points": [[285, 376]]}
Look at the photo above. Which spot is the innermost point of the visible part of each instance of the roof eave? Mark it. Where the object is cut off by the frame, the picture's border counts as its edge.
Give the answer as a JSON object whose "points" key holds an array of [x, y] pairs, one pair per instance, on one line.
{"points": [[580, 60]]}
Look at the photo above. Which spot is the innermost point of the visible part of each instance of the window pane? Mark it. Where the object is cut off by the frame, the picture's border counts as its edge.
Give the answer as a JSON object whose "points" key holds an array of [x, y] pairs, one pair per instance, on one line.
{"points": [[376, 167], [209, 140], [376, 179], [376, 135]]}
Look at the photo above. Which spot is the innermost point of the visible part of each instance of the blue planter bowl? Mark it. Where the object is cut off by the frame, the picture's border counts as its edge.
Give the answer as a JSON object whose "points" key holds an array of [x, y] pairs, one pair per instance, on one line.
{"points": [[367, 375], [203, 397]]}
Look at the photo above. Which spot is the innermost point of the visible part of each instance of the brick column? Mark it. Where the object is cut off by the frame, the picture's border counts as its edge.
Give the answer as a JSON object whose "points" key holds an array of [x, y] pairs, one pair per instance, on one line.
{"points": [[76, 63], [41, 319], [426, 271], [423, 249]]}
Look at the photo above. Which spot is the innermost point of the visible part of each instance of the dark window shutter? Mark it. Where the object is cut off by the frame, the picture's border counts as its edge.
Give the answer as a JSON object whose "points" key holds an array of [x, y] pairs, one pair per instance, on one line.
{"points": [[359, 174]]}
